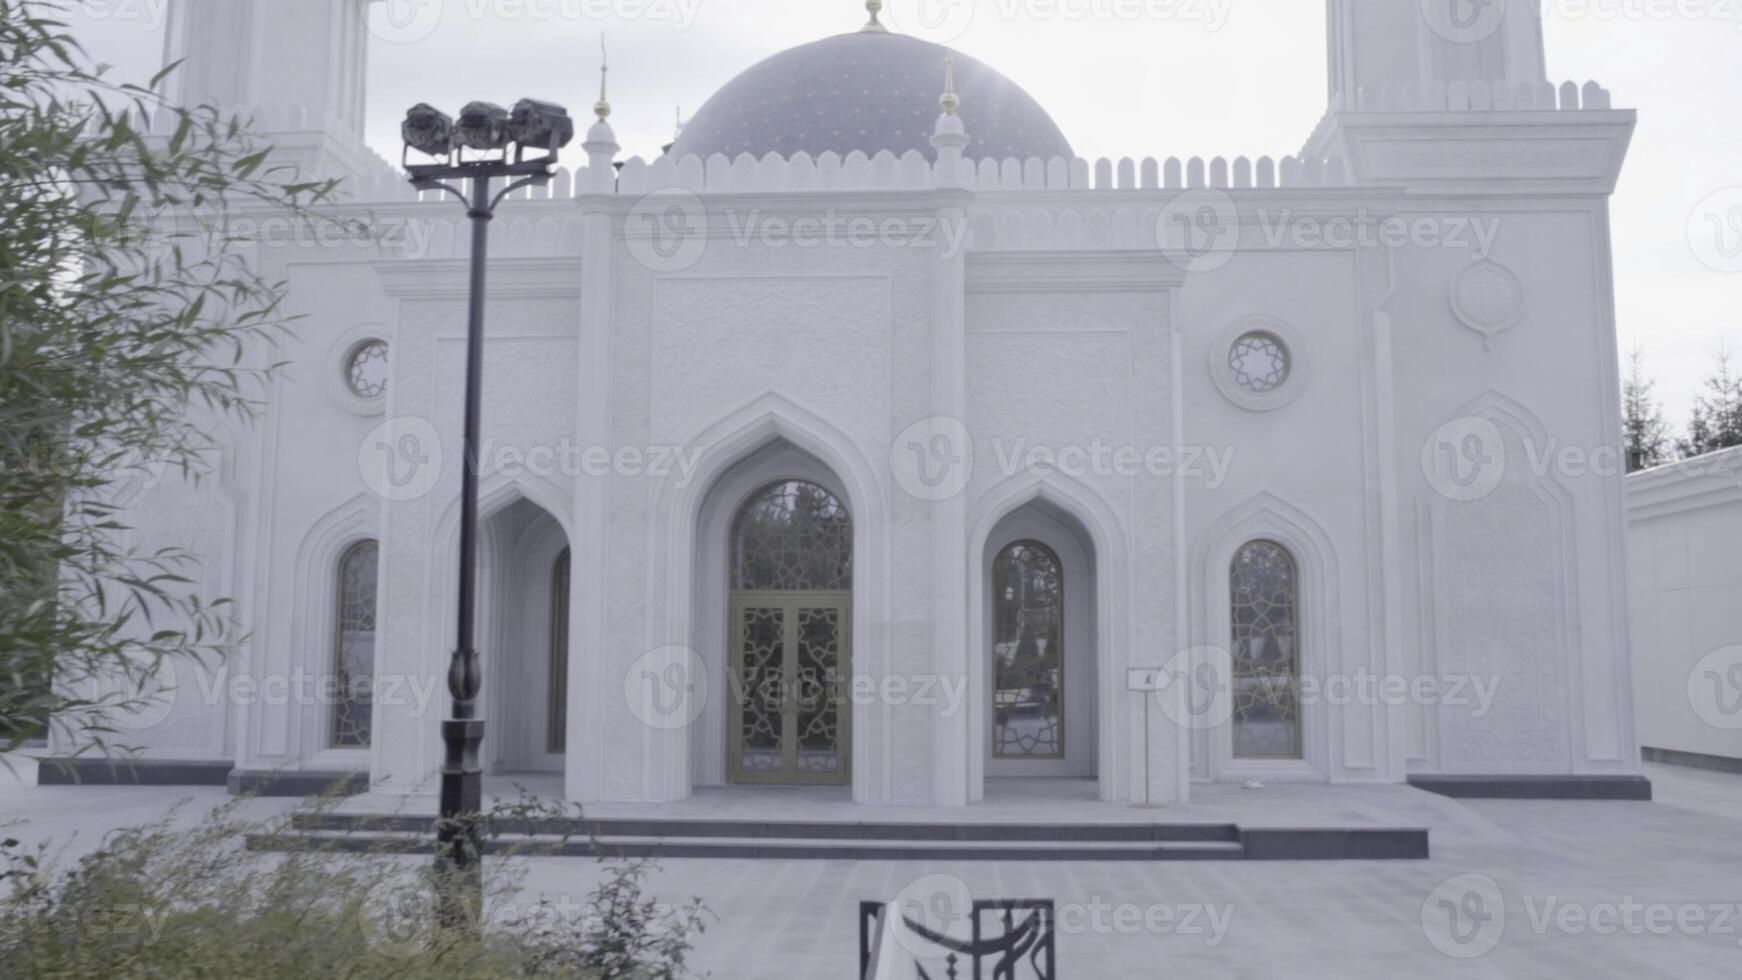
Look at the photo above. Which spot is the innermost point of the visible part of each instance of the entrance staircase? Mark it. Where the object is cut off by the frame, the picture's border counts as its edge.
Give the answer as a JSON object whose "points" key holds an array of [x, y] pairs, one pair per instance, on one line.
{"points": [[861, 841]]}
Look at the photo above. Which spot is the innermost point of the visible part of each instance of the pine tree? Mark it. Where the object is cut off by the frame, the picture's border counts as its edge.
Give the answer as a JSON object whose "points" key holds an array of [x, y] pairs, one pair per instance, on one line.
{"points": [[1717, 416], [1645, 435]]}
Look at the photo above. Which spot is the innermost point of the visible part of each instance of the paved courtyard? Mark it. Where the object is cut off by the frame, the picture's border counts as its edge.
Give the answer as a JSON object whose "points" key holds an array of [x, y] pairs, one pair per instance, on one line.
{"points": [[1585, 891]]}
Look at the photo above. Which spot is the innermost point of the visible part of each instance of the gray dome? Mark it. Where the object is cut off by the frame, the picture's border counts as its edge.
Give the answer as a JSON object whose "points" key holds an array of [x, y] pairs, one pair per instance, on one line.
{"points": [[869, 92]]}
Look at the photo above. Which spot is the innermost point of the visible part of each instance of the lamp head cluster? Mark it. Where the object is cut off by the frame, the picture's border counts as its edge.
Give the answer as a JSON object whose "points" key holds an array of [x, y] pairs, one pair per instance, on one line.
{"points": [[486, 128]]}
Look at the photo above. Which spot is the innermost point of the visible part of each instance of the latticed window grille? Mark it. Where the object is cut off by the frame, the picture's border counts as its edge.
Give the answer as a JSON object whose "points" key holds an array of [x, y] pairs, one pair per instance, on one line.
{"points": [[793, 536], [1260, 362], [1028, 610], [354, 645], [366, 369], [556, 727], [1264, 589]]}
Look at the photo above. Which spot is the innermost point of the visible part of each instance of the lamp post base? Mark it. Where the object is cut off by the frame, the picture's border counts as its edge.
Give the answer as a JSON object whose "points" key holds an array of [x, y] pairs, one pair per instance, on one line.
{"points": [[459, 830]]}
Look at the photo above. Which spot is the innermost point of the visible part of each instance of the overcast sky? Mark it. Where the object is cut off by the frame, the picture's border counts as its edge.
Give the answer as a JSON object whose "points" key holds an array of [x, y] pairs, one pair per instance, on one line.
{"points": [[1209, 78]]}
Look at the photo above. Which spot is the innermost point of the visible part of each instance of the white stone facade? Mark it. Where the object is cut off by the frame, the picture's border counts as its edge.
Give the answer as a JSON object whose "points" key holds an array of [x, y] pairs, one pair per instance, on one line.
{"points": [[1409, 462]]}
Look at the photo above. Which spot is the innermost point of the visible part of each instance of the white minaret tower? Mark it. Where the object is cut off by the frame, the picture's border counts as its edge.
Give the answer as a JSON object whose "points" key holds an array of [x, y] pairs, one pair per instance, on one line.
{"points": [[298, 66], [1376, 42]]}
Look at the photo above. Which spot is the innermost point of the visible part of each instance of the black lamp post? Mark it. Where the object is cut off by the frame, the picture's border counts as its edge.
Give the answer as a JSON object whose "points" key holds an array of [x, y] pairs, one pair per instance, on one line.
{"points": [[488, 132]]}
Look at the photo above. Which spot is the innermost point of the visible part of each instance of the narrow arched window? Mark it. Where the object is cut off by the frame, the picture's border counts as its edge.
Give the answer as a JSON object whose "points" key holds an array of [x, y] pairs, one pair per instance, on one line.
{"points": [[556, 724], [1028, 629], [354, 645], [1264, 594]]}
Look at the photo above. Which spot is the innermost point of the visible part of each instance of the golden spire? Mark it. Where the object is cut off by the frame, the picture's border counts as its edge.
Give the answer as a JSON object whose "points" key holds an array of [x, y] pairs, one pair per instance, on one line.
{"points": [[873, 26], [602, 108], [949, 100]]}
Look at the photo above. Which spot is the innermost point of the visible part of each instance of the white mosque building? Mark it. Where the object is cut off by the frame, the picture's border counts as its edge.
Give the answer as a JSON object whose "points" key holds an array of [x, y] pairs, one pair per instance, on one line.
{"points": [[883, 443]]}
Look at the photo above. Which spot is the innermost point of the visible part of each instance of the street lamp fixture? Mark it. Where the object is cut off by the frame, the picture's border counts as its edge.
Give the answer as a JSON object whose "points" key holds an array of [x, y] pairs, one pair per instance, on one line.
{"points": [[489, 130]]}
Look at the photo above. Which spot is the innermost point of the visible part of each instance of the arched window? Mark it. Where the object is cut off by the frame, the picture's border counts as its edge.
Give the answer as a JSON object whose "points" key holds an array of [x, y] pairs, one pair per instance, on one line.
{"points": [[556, 727], [792, 536], [1028, 629], [1264, 593], [354, 645]]}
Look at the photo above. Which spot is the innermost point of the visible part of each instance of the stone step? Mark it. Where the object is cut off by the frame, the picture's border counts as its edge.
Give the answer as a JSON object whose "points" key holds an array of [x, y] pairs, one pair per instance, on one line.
{"points": [[373, 842], [416, 836], [1136, 833]]}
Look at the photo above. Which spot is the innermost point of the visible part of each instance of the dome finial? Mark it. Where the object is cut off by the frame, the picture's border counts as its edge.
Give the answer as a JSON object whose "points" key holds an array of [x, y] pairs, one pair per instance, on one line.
{"points": [[874, 26], [602, 108], [949, 100]]}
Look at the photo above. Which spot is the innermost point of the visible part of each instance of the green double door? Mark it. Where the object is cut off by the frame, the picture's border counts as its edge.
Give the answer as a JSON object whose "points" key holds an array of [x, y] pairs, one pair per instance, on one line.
{"points": [[788, 692]]}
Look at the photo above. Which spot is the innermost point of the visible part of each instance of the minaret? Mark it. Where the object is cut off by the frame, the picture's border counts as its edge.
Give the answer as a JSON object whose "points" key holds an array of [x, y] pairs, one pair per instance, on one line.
{"points": [[949, 137], [601, 144], [1376, 42], [298, 66]]}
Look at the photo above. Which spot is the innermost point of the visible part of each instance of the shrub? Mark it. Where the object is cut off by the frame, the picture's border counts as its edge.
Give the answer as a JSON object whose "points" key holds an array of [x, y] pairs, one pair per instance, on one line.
{"points": [[164, 900]]}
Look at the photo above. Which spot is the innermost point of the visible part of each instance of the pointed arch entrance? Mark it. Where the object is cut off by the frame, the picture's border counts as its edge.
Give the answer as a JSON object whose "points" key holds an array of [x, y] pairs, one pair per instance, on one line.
{"points": [[789, 647]]}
